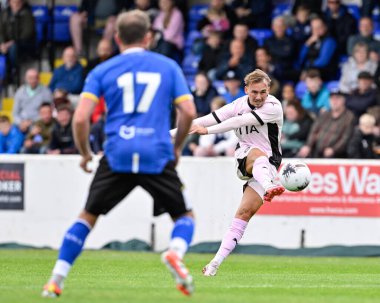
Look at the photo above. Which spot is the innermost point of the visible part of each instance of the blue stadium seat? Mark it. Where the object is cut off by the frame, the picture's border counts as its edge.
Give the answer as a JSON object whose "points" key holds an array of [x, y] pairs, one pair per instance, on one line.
{"points": [[219, 85], [376, 34], [261, 34], [62, 15], [376, 14], [191, 37], [197, 12], [300, 89], [376, 26], [332, 85], [354, 10], [41, 17], [190, 64], [281, 9], [3, 66]]}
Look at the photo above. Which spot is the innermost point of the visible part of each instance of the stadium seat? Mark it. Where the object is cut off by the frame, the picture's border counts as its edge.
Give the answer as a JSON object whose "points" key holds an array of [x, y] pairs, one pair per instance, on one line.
{"points": [[354, 10], [7, 104], [332, 85], [376, 34], [3, 67], [7, 113], [190, 64], [191, 37], [41, 17], [300, 89], [376, 14], [261, 34], [281, 9], [219, 85], [61, 29], [58, 62], [196, 13], [45, 78]]}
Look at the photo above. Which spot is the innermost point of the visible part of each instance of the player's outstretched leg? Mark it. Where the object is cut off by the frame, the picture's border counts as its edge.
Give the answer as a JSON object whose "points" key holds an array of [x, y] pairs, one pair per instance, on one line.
{"points": [[71, 248], [261, 172], [180, 240], [230, 240]]}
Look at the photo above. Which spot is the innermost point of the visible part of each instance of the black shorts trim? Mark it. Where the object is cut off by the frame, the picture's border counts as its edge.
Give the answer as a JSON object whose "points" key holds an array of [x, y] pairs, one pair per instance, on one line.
{"points": [[108, 188], [242, 167]]}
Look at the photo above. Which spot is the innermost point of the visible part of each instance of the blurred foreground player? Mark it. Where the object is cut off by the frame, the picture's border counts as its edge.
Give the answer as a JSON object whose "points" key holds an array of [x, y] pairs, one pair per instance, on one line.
{"points": [[139, 87]]}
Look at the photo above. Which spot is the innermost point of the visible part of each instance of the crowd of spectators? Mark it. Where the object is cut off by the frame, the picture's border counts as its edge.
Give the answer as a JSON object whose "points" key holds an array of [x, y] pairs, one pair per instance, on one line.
{"points": [[323, 60]]}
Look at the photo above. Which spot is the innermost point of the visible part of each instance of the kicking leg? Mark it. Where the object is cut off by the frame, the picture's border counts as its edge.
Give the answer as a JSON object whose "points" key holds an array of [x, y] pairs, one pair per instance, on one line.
{"points": [[250, 204], [71, 248], [258, 165]]}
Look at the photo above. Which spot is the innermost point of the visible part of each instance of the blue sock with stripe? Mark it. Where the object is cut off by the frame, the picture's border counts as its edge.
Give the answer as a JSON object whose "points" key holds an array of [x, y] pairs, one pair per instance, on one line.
{"points": [[182, 235]]}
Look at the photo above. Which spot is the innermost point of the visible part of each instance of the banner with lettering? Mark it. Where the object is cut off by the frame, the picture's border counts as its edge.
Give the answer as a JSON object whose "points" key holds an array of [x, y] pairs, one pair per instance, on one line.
{"points": [[336, 189], [11, 186]]}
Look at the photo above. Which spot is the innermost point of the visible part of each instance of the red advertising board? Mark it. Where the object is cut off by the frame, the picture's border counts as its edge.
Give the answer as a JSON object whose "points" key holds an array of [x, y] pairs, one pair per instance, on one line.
{"points": [[348, 190]]}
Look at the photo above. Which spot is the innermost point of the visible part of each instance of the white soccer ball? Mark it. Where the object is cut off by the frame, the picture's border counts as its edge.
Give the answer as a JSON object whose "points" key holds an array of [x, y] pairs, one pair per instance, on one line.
{"points": [[295, 175]]}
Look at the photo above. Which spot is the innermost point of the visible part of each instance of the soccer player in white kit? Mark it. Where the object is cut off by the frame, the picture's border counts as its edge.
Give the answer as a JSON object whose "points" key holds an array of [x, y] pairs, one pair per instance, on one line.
{"points": [[257, 119]]}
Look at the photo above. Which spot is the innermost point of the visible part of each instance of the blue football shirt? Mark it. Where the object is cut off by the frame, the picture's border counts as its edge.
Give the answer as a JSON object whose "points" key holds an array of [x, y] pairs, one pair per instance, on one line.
{"points": [[139, 88]]}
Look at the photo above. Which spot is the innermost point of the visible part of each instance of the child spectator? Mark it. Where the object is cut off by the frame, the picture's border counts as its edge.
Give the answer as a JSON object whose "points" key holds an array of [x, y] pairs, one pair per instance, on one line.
{"points": [[254, 13], [62, 140], [39, 135], [296, 128], [301, 30], [11, 138], [211, 54], [316, 98], [362, 143], [288, 94]]}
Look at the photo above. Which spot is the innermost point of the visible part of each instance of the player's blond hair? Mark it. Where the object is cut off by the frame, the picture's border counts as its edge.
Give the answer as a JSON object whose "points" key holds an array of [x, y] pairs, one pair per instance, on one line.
{"points": [[257, 76], [132, 26]]}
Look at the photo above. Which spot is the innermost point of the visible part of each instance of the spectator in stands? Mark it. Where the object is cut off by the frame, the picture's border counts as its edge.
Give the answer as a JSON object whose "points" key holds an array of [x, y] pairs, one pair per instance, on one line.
{"points": [[203, 93], [254, 13], [362, 142], [171, 24], [364, 96], [264, 62], [104, 51], [365, 35], [288, 94], [213, 145], [241, 32], [340, 23], [301, 29], [39, 135], [62, 140], [233, 85], [28, 99], [319, 51], [281, 47], [367, 7], [236, 60], [11, 138], [315, 6], [359, 61], [148, 7], [17, 33], [205, 25], [98, 13], [331, 131], [296, 128], [211, 53], [69, 76], [316, 98]]}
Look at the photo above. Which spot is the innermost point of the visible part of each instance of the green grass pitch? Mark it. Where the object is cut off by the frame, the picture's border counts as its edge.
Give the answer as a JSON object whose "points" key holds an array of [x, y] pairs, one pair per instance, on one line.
{"points": [[113, 277]]}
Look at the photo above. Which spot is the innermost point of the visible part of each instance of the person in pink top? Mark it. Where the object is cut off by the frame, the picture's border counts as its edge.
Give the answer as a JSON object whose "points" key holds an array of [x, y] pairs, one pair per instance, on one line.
{"points": [[171, 25], [257, 120]]}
